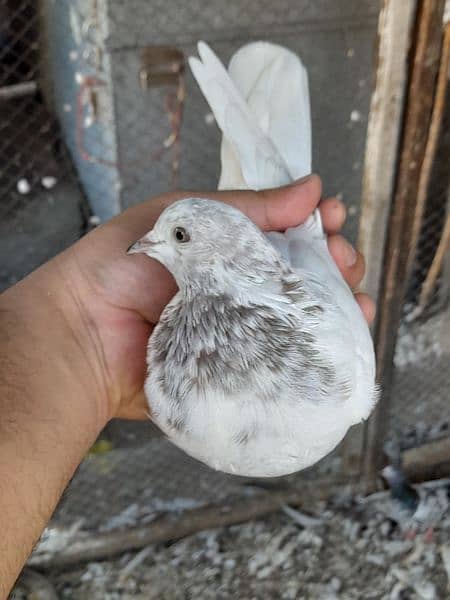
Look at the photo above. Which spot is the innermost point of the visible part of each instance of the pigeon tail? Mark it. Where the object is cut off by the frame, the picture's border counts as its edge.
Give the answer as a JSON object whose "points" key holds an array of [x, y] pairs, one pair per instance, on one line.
{"points": [[261, 104]]}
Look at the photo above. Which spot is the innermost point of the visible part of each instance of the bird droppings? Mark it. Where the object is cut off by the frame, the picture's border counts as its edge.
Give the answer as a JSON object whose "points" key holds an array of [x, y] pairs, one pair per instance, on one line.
{"points": [[94, 220], [355, 116], [48, 182], [421, 340], [23, 186], [209, 118], [356, 553]]}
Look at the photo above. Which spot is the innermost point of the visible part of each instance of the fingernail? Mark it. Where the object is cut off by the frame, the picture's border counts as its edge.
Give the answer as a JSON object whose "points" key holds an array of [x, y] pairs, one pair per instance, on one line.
{"points": [[349, 255]]}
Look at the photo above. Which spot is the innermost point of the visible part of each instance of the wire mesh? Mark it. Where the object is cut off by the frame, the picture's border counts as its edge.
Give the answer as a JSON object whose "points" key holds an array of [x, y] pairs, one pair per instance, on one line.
{"points": [[90, 117], [434, 217], [32, 153], [126, 141], [420, 408]]}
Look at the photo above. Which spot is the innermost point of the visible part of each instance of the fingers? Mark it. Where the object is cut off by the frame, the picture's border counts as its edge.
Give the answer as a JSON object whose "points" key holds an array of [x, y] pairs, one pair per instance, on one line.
{"points": [[276, 209], [333, 215], [271, 210], [367, 306], [349, 261]]}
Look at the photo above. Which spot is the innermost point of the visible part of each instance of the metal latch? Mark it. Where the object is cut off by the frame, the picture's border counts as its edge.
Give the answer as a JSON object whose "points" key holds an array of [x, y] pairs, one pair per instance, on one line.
{"points": [[161, 65]]}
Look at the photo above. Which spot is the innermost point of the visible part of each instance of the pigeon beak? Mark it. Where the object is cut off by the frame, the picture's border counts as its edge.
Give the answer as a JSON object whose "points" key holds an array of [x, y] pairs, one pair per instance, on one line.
{"points": [[144, 245]]}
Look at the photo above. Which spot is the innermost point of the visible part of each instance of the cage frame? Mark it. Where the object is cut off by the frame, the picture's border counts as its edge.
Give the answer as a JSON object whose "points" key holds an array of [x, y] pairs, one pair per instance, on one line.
{"points": [[409, 44]]}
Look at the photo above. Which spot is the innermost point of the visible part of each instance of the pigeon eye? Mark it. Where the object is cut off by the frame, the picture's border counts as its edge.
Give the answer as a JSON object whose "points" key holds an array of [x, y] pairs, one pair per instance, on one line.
{"points": [[181, 235]]}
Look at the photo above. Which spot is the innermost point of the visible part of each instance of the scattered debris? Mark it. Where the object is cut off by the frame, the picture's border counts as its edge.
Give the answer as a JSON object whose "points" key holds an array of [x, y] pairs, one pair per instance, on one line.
{"points": [[23, 186], [300, 518], [355, 116], [34, 586], [49, 182], [134, 563], [445, 557], [419, 341], [94, 220], [357, 553]]}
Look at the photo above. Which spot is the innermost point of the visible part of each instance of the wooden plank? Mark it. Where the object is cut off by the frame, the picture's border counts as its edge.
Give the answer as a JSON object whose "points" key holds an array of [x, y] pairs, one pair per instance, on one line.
{"points": [[394, 38], [395, 24], [84, 547], [429, 461], [426, 54]]}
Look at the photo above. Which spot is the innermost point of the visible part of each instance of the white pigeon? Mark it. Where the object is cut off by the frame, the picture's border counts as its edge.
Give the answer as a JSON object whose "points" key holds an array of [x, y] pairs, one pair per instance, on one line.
{"points": [[262, 360]]}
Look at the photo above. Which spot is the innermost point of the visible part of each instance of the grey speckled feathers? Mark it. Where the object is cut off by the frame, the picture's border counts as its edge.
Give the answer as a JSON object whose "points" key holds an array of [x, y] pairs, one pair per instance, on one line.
{"points": [[262, 360]]}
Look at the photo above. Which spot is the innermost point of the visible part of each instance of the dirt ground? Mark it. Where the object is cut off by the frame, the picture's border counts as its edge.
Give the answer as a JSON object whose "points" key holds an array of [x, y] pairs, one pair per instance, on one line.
{"points": [[353, 550]]}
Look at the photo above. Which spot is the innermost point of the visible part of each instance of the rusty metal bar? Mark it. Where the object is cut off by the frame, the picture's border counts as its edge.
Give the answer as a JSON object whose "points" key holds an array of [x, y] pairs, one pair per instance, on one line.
{"points": [[422, 82]]}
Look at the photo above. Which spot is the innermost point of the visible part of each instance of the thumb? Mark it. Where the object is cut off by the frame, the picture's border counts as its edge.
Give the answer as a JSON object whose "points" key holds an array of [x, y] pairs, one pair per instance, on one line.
{"points": [[279, 208]]}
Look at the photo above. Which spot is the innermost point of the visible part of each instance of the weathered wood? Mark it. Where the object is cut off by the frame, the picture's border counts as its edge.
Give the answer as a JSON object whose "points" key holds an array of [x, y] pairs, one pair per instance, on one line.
{"points": [[426, 53], [436, 266], [385, 119], [429, 461], [395, 24], [103, 545], [432, 144]]}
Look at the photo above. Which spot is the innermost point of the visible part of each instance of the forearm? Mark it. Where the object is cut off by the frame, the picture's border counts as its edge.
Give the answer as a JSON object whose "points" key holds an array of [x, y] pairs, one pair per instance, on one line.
{"points": [[48, 418]]}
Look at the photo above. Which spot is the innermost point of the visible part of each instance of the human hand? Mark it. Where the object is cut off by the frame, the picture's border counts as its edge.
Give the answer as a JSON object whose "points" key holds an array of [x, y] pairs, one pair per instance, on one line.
{"points": [[73, 353], [117, 301]]}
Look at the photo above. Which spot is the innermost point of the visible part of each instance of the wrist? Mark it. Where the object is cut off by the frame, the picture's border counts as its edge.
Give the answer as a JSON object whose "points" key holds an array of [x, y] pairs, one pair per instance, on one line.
{"points": [[49, 415], [48, 352]]}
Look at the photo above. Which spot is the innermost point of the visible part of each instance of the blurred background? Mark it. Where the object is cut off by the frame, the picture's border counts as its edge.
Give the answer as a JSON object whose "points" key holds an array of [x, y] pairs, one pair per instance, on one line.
{"points": [[98, 111]]}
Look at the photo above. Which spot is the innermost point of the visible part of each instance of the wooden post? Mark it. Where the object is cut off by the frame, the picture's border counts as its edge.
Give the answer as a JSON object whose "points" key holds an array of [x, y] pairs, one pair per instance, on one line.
{"points": [[395, 26], [424, 67]]}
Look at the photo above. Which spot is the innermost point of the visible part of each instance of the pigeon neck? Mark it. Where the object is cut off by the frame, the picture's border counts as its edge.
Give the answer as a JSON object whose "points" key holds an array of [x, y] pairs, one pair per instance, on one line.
{"points": [[211, 285], [243, 287]]}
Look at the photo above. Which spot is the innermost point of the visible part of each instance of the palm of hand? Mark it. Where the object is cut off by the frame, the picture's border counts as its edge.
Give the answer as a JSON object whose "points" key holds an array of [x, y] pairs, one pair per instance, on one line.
{"points": [[122, 297]]}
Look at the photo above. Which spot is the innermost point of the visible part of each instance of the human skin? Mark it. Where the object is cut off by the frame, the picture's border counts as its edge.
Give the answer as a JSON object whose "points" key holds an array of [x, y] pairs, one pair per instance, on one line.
{"points": [[74, 336]]}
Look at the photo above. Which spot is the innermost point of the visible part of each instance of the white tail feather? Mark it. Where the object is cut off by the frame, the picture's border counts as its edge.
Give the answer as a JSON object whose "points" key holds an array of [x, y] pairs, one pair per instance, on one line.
{"points": [[262, 108], [274, 83]]}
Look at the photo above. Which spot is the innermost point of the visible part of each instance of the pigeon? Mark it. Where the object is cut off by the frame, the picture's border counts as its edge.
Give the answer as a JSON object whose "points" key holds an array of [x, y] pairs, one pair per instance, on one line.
{"points": [[262, 360], [415, 510]]}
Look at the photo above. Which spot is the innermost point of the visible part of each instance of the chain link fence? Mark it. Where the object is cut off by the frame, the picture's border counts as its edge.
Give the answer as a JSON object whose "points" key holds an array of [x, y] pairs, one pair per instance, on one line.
{"points": [[96, 104], [98, 112], [96, 100], [420, 409]]}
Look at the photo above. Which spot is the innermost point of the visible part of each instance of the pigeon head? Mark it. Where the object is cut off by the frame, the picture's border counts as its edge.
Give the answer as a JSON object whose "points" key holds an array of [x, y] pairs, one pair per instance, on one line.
{"points": [[209, 243]]}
